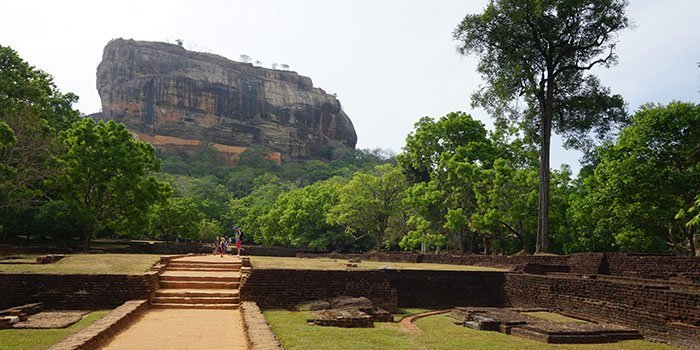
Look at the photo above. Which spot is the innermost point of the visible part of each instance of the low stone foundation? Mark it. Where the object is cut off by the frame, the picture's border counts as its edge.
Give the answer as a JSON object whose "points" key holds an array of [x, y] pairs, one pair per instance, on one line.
{"points": [[512, 321]]}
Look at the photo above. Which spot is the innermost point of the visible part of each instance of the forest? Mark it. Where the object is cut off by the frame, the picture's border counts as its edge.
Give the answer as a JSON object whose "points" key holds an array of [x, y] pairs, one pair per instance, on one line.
{"points": [[455, 186]]}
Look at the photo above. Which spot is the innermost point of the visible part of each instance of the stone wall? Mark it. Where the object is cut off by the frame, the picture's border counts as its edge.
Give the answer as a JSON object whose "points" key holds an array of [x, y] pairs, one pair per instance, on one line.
{"points": [[278, 288], [445, 289], [669, 311], [615, 264], [88, 292], [652, 266], [386, 288]]}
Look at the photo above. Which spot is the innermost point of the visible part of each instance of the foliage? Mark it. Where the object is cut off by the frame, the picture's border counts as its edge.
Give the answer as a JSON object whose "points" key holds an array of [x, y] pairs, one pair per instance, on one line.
{"points": [[298, 218], [443, 158], [32, 111], [176, 218], [638, 196], [105, 176], [536, 52], [369, 203]]}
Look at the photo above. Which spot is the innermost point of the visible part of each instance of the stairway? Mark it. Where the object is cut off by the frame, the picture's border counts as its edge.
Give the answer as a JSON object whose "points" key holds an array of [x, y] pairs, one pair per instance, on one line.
{"points": [[199, 282]]}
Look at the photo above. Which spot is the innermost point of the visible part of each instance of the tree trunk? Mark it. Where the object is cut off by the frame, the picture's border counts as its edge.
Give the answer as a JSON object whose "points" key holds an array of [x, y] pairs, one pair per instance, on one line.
{"points": [[86, 240], [542, 245], [470, 243], [487, 245]]}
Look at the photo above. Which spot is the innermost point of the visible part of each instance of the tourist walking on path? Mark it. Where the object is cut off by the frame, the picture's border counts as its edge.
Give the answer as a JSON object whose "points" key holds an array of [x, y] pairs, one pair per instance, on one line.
{"points": [[238, 234]]}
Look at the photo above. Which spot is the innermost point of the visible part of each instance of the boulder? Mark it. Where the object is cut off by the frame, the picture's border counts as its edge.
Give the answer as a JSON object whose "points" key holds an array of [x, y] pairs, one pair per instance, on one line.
{"points": [[346, 302], [178, 99]]}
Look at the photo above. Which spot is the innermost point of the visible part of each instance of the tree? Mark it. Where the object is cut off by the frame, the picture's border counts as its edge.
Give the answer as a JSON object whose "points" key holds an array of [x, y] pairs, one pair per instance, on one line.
{"points": [[175, 218], [368, 203], [32, 112], [640, 193], [536, 52], [284, 66], [446, 156], [105, 176], [245, 58], [298, 218]]}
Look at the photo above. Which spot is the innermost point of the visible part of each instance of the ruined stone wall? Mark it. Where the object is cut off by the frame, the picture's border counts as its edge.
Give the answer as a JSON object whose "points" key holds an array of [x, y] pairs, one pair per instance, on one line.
{"points": [[445, 289], [89, 292], [278, 288], [668, 311], [475, 260], [651, 266]]}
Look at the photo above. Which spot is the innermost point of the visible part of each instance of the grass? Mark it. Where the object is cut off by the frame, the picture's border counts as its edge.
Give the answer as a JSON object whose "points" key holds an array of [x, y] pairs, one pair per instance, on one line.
{"points": [[23, 258], [270, 262], [35, 339], [90, 264], [553, 317], [439, 333]]}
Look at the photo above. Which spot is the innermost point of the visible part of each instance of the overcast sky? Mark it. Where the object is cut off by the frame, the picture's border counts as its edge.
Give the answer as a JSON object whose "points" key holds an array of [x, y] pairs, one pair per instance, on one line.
{"points": [[389, 62]]}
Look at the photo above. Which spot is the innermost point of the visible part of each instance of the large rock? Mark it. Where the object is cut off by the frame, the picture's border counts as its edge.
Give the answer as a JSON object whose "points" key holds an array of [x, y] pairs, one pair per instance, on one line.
{"points": [[177, 99]]}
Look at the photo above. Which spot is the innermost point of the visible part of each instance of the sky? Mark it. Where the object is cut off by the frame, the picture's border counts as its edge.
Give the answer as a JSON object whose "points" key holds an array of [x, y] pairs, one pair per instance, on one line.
{"points": [[390, 62]]}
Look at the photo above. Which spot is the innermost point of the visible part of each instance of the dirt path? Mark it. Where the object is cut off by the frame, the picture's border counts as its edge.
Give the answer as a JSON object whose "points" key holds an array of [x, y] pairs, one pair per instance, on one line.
{"points": [[183, 329], [408, 324]]}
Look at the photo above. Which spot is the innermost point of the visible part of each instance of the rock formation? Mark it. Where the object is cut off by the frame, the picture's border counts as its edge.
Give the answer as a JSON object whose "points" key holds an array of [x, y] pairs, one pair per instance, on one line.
{"points": [[177, 99]]}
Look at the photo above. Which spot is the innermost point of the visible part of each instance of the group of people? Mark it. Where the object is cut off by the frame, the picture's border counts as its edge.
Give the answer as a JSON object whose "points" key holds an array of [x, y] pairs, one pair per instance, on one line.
{"points": [[223, 245]]}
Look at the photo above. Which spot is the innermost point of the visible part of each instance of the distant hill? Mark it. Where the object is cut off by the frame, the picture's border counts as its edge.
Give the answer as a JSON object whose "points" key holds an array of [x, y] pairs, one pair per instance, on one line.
{"points": [[177, 99]]}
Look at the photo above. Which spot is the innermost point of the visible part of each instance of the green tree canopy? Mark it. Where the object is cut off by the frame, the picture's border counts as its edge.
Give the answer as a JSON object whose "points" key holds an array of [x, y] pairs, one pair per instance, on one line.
{"points": [[535, 53], [369, 203], [638, 196], [106, 177]]}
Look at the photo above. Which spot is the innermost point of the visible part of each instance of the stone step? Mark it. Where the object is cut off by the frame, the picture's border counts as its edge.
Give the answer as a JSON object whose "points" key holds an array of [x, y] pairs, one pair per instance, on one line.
{"points": [[195, 306], [171, 278], [197, 293], [212, 269], [198, 285], [196, 300], [204, 264]]}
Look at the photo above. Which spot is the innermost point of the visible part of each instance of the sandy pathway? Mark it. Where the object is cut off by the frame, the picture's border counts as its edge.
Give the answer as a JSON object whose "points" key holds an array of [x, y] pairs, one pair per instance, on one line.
{"points": [[183, 329]]}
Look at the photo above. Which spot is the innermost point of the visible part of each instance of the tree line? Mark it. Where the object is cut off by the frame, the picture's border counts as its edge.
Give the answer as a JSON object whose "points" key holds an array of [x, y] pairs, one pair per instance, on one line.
{"points": [[455, 186]]}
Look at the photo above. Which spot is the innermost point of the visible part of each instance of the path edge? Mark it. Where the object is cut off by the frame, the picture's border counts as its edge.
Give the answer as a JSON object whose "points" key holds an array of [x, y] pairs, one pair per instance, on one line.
{"points": [[103, 330], [258, 333]]}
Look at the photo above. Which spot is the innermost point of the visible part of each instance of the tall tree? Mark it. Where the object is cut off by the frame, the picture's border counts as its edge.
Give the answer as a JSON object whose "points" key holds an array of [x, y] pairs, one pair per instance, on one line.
{"points": [[443, 158], [32, 111], [106, 177], [536, 52], [368, 203]]}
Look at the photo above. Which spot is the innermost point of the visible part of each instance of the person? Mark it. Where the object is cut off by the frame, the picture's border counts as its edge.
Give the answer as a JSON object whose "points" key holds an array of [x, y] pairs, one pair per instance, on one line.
{"points": [[239, 239], [222, 246], [217, 245]]}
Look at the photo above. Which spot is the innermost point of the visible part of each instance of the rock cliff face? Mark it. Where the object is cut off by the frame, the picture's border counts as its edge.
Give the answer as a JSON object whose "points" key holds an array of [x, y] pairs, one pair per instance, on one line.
{"points": [[177, 99]]}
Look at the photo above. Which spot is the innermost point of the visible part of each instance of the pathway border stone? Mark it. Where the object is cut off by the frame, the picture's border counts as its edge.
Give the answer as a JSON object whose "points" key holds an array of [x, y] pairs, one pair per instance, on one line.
{"points": [[258, 333], [105, 328]]}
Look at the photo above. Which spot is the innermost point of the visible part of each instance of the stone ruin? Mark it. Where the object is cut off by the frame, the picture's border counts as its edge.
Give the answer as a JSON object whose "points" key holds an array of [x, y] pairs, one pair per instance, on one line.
{"points": [[346, 312], [512, 321], [33, 316]]}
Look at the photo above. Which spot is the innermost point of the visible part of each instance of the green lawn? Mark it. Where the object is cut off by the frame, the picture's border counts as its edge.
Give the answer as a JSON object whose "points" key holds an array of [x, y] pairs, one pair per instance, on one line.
{"points": [[23, 258], [90, 264], [270, 262], [439, 333], [35, 339]]}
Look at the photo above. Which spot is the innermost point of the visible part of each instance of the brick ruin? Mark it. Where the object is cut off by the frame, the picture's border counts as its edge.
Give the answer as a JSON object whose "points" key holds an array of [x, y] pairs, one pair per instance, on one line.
{"points": [[657, 295]]}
